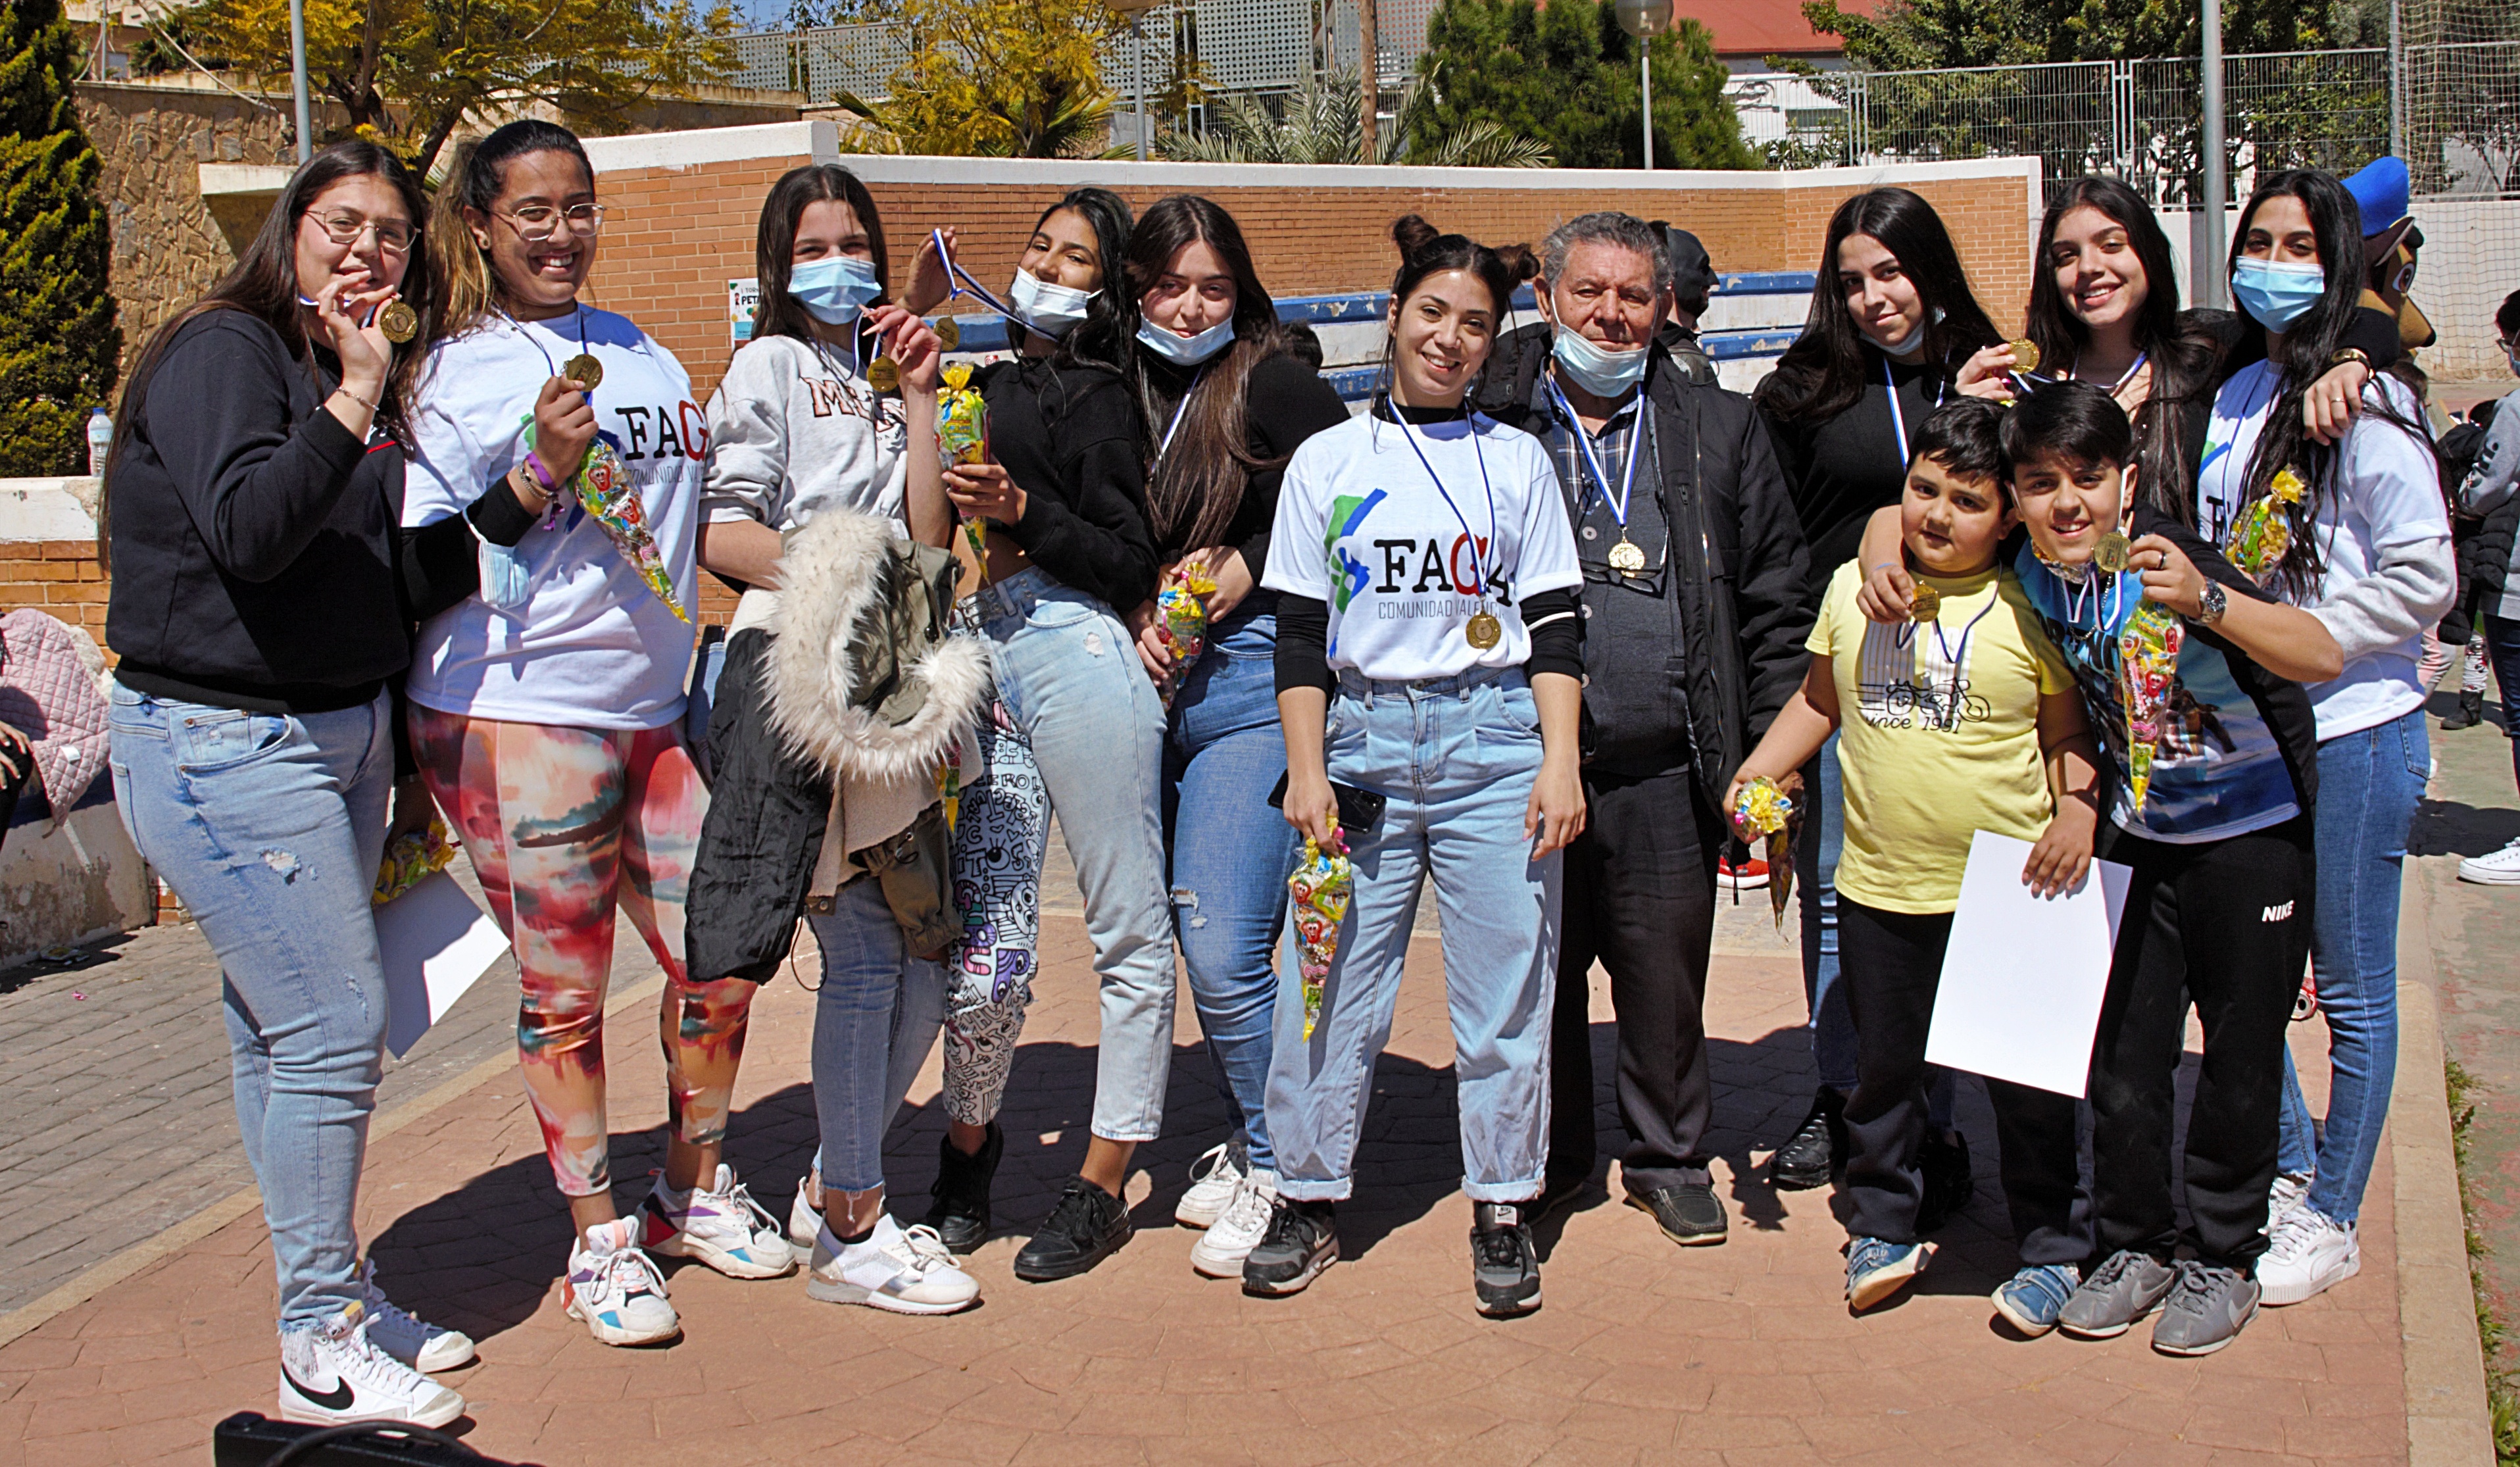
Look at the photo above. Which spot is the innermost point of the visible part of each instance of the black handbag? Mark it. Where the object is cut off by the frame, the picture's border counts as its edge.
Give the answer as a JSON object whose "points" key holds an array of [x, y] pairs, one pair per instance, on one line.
{"points": [[248, 1439]]}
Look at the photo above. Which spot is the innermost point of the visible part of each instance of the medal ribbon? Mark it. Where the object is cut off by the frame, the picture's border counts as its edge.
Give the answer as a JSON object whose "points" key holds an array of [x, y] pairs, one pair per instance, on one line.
{"points": [[958, 281], [1183, 406], [1898, 419], [1584, 443], [1488, 488]]}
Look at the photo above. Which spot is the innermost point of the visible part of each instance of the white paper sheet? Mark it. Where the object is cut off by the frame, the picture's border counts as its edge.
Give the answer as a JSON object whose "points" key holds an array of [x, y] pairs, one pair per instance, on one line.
{"points": [[2023, 975], [436, 944]]}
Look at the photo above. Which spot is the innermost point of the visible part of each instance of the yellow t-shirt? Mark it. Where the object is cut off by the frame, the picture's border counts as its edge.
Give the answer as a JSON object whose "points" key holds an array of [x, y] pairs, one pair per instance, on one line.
{"points": [[1939, 733]]}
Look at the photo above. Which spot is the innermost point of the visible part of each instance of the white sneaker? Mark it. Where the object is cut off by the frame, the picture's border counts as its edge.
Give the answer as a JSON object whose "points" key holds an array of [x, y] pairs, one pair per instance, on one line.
{"points": [[2305, 1255], [2284, 1199], [1212, 1180], [332, 1373], [1219, 1251], [422, 1346], [616, 1289], [907, 1271], [2495, 868], [720, 1226], [806, 1213]]}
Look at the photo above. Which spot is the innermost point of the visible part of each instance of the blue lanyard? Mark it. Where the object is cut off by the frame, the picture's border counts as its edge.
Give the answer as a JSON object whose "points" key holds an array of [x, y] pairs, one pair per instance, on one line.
{"points": [[1486, 488], [1584, 443], [1959, 660], [1183, 406], [966, 286], [1898, 419]]}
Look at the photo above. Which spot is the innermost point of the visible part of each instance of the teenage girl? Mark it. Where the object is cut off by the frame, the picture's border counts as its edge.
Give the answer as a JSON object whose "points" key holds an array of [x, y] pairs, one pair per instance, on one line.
{"points": [[250, 516], [1428, 653], [1876, 357], [547, 710], [1226, 402]]}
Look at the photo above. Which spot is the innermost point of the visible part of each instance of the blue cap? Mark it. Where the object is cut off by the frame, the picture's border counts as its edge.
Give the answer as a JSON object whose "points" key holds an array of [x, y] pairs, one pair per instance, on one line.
{"points": [[2380, 191]]}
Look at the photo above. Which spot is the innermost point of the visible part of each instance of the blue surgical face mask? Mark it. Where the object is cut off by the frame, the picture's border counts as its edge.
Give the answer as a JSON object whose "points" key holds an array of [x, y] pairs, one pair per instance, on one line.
{"points": [[834, 288], [1182, 351], [2277, 294], [1051, 309], [1601, 373]]}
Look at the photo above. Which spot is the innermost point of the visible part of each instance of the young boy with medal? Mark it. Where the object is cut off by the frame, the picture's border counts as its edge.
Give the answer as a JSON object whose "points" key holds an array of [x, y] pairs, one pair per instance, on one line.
{"points": [[1961, 718], [2192, 676]]}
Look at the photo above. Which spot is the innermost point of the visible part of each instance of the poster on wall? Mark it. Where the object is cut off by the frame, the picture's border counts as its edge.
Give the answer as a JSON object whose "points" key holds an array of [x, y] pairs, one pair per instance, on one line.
{"points": [[741, 296]]}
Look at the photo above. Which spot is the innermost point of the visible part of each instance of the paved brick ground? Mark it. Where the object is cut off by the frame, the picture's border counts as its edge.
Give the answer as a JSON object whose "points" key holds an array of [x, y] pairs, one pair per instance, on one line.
{"points": [[1644, 1352]]}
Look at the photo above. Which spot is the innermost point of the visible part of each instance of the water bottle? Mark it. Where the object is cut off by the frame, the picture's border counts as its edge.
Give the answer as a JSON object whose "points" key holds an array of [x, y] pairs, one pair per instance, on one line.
{"points": [[100, 438]]}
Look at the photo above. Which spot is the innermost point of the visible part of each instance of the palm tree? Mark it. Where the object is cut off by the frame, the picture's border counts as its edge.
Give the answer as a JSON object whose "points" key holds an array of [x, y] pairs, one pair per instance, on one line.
{"points": [[1324, 124]]}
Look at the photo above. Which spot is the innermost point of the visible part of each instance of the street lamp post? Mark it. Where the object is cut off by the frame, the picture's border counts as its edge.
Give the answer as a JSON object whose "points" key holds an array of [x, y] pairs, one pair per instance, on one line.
{"points": [[298, 75], [1134, 10], [2208, 271], [1644, 20]]}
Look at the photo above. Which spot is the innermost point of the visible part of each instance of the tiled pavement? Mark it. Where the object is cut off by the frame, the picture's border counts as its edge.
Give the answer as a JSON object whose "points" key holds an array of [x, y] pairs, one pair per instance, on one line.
{"points": [[1644, 1353]]}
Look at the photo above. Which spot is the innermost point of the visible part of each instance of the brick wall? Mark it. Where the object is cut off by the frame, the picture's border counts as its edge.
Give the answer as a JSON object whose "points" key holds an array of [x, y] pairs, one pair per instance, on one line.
{"points": [[60, 576]]}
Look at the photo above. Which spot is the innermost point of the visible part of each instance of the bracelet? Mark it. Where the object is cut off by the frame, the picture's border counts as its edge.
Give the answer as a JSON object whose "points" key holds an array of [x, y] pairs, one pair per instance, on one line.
{"points": [[345, 391], [534, 465], [2346, 354]]}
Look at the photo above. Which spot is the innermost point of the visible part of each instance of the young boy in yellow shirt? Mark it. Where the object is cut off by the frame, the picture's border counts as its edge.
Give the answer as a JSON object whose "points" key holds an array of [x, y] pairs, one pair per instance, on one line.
{"points": [[1963, 718]]}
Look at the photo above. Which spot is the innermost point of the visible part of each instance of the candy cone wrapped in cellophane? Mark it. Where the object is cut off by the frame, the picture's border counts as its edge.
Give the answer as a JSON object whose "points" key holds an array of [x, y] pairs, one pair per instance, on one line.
{"points": [[411, 858], [2262, 533], [1762, 808], [2148, 666], [962, 437], [605, 492], [1320, 884], [1182, 602]]}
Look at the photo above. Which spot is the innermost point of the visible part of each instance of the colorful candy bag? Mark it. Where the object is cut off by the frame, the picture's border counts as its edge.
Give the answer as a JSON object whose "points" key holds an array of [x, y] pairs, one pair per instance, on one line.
{"points": [[1762, 810], [1321, 884], [2262, 533], [605, 490], [2147, 666], [411, 858], [962, 437], [1182, 601]]}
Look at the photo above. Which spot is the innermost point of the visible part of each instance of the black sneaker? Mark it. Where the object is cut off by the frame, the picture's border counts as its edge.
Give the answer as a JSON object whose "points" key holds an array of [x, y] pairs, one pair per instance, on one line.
{"points": [[1504, 1264], [1689, 1214], [1302, 1240], [1087, 1226], [1809, 1156], [959, 1204], [1948, 1182]]}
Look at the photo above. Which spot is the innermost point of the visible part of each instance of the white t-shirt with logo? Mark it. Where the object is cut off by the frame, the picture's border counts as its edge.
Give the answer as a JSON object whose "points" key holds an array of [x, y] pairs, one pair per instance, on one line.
{"points": [[1363, 526], [589, 646], [2386, 496]]}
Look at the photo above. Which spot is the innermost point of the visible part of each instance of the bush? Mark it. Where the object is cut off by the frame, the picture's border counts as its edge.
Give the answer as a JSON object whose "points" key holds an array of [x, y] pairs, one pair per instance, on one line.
{"points": [[58, 344]]}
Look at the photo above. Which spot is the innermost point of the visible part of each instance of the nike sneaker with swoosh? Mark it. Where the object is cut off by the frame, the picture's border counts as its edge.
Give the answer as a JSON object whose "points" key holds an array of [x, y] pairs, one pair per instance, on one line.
{"points": [[424, 1346], [330, 1373]]}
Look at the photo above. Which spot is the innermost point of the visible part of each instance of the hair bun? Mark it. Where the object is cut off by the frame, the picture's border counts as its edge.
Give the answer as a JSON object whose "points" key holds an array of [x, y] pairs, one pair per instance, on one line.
{"points": [[1411, 233], [1519, 262]]}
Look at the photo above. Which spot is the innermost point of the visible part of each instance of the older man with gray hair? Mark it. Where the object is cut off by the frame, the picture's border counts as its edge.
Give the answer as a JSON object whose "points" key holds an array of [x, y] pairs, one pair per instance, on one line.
{"points": [[1693, 627]]}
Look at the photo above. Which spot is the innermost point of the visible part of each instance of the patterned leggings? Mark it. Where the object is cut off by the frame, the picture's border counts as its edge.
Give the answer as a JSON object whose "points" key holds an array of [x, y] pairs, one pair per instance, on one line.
{"points": [[555, 819], [998, 837]]}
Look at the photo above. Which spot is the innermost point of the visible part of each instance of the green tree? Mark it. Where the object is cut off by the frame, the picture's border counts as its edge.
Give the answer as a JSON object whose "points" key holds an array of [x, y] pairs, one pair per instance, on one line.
{"points": [[1565, 75], [410, 73], [1907, 36], [1322, 123], [995, 78], [59, 343]]}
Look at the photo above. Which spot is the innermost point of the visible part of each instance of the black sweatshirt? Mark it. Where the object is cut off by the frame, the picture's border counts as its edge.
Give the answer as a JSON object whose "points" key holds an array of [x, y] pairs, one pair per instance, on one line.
{"points": [[258, 558], [1284, 402], [1067, 436], [1839, 470]]}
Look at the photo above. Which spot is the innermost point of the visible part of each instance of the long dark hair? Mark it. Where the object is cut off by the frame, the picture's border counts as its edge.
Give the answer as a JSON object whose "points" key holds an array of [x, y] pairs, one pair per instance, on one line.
{"points": [[2182, 355], [470, 288], [1196, 486], [263, 284], [774, 245], [2308, 344], [1427, 251], [1822, 373], [1111, 322]]}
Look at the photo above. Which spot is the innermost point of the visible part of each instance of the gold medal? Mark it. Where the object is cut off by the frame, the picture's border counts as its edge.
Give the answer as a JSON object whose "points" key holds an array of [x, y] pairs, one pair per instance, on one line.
{"points": [[584, 370], [2025, 354], [399, 321], [1484, 631], [883, 374], [2111, 553], [1926, 605], [1626, 558], [948, 334]]}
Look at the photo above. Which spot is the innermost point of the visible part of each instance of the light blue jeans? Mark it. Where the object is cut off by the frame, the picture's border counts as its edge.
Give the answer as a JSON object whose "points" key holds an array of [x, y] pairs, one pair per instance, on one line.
{"points": [[1068, 674], [1457, 758], [269, 829], [1230, 854], [875, 1020], [2368, 785]]}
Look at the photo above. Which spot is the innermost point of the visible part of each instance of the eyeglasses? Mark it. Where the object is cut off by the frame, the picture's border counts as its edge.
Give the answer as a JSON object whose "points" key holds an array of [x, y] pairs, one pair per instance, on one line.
{"points": [[393, 236], [536, 222]]}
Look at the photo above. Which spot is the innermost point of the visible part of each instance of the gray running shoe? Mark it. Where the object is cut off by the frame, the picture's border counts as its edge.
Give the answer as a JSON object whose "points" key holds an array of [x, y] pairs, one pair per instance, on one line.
{"points": [[1504, 1263], [2206, 1311], [2117, 1293]]}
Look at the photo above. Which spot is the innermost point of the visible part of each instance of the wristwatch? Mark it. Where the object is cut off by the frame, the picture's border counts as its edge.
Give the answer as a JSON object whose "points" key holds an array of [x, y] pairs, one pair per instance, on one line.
{"points": [[2211, 603], [2346, 354]]}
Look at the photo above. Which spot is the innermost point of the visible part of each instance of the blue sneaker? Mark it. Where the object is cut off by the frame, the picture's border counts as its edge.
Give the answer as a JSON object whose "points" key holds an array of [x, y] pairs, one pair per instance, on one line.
{"points": [[1876, 1268], [2031, 1299]]}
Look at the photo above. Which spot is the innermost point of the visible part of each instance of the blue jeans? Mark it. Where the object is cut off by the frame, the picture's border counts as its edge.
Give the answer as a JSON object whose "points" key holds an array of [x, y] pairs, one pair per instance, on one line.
{"points": [[1457, 758], [268, 827], [2502, 648], [1230, 854], [2368, 785], [875, 1020], [1068, 674]]}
